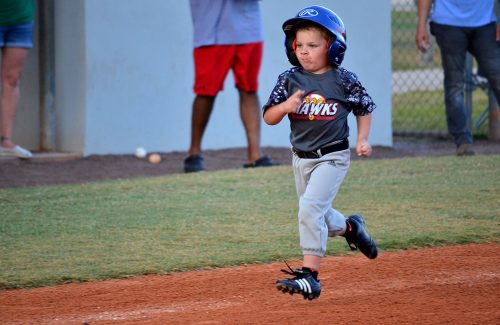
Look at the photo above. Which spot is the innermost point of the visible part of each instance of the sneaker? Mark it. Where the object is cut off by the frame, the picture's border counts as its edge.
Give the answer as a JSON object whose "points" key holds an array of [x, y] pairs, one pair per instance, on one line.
{"points": [[17, 151], [357, 237], [304, 282], [465, 149], [193, 164], [263, 161]]}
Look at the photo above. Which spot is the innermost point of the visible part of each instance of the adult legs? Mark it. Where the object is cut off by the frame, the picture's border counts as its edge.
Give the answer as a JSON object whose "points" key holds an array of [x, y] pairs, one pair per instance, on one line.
{"points": [[487, 53], [202, 109], [13, 60], [453, 43], [250, 116]]}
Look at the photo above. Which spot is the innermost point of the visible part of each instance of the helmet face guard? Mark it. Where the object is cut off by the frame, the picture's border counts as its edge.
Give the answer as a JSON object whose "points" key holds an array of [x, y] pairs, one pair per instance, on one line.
{"points": [[325, 18]]}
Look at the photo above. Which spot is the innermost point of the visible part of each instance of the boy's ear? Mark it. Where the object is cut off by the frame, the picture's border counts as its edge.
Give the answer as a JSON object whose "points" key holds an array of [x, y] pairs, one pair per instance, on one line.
{"points": [[294, 44]]}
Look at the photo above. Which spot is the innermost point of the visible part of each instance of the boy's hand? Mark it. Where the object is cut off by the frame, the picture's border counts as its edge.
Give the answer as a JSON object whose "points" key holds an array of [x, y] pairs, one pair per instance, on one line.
{"points": [[363, 148], [294, 101], [275, 114]]}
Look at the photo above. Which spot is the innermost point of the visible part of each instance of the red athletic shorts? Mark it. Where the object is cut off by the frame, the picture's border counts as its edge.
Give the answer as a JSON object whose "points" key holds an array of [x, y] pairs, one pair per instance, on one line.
{"points": [[212, 63]]}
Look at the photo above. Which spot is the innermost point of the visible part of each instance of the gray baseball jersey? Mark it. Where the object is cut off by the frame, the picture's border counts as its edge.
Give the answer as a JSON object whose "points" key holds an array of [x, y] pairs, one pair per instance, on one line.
{"points": [[327, 101]]}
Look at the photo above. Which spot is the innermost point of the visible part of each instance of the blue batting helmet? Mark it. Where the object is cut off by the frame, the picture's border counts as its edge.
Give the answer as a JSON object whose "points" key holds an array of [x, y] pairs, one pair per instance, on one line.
{"points": [[325, 18]]}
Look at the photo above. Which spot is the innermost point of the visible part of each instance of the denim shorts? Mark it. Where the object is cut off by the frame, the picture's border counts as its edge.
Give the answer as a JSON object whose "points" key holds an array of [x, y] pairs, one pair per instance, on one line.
{"points": [[17, 36]]}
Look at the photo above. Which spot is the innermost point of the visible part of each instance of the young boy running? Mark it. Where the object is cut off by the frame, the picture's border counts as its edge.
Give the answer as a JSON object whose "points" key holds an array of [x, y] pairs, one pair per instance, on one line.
{"points": [[318, 95]]}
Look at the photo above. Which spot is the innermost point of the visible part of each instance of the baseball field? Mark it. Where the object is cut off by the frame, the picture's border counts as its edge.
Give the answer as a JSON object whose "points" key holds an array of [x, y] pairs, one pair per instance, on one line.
{"points": [[207, 248]]}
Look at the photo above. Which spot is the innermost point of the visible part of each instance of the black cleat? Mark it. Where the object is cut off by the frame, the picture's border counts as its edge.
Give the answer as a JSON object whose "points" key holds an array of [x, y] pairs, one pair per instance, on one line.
{"points": [[358, 238], [304, 282]]}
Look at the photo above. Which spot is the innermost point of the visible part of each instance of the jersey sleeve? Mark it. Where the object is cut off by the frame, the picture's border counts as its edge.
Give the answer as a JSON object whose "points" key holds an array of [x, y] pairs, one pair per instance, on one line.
{"points": [[280, 92], [358, 99]]}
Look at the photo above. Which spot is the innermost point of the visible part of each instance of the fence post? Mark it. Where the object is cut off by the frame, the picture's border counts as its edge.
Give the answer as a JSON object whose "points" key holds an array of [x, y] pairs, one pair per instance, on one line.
{"points": [[469, 88], [47, 71]]}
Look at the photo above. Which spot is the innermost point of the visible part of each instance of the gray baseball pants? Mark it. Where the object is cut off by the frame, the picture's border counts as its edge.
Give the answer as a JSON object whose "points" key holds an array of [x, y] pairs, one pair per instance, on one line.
{"points": [[317, 182]]}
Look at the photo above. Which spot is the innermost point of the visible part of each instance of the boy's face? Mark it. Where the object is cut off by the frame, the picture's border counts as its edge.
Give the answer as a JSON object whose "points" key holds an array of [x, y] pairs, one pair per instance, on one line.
{"points": [[312, 50]]}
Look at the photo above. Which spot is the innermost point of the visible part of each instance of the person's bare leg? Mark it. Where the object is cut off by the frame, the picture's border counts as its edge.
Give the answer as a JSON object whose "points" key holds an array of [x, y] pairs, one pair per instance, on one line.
{"points": [[202, 109], [13, 60], [250, 116], [312, 262]]}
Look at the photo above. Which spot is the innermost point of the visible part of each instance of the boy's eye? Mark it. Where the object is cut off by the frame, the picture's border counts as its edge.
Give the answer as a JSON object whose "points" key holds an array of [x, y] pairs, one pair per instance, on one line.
{"points": [[304, 45]]}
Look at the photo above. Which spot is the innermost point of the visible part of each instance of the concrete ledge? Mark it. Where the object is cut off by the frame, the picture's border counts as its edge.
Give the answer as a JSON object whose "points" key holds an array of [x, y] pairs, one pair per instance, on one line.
{"points": [[47, 156]]}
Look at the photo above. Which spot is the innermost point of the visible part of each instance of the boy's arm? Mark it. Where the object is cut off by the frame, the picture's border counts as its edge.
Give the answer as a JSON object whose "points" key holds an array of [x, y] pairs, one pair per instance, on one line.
{"points": [[363, 148], [274, 114]]}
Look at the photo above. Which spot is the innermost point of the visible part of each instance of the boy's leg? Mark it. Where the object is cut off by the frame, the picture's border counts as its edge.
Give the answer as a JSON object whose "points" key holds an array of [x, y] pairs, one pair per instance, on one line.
{"points": [[336, 223], [317, 182], [333, 223], [315, 203]]}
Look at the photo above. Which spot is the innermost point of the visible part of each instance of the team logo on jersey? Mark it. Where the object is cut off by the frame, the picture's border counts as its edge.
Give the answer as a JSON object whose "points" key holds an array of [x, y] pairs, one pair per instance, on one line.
{"points": [[315, 107]]}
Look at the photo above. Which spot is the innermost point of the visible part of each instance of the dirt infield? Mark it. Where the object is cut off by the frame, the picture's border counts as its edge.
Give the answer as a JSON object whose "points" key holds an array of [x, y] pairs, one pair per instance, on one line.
{"points": [[447, 285]]}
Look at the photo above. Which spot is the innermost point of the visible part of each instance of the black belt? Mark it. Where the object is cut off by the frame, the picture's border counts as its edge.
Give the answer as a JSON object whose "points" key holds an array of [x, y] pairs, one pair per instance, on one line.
{"points": [[339, 146]]}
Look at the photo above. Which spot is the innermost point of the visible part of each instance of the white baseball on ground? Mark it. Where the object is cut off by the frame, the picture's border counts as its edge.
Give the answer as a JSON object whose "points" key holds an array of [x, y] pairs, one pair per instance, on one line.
{"points": [[140, 152]]}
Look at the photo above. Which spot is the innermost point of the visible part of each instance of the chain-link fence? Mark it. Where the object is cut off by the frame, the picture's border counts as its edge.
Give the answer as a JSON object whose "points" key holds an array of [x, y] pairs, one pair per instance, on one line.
{"points": [[417, 82]]}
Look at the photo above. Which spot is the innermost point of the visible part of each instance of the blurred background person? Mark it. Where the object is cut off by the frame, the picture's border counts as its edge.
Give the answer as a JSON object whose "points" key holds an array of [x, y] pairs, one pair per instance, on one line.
{"points": [[227, 36], [461, 26]]}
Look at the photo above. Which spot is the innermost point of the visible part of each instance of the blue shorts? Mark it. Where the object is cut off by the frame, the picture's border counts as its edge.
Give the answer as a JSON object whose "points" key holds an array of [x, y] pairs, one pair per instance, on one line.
{"points": [[17, 36]]}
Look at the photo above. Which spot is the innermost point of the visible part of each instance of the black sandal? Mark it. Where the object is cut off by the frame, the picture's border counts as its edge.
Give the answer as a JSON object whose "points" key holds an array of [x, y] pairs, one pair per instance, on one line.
{"points": [[263, 161]]}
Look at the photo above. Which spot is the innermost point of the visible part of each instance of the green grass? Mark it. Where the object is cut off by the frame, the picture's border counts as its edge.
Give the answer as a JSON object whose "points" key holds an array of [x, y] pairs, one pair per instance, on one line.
{"points": [[423, 111], [115, 229]]}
